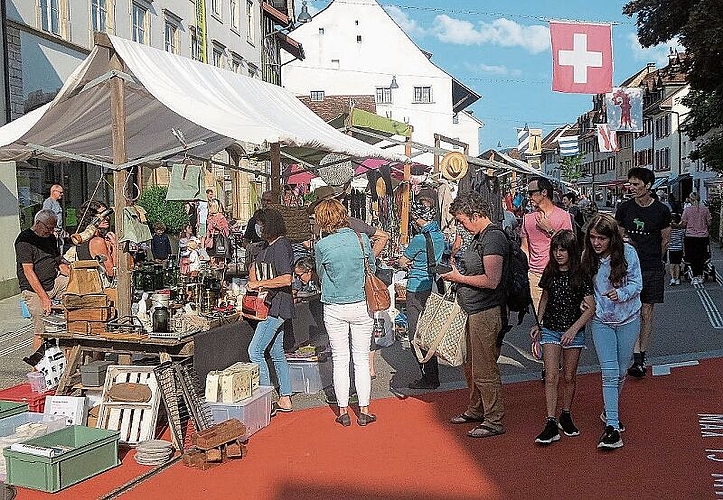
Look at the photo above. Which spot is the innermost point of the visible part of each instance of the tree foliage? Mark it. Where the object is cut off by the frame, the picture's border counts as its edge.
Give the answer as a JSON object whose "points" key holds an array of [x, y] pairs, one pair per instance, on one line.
{"points": [[698, 25], [571, 168], [171, 213]]}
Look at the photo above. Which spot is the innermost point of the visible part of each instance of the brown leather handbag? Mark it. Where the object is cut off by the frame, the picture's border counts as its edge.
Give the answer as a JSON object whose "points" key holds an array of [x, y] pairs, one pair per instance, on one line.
{"points": [[377, 293]]}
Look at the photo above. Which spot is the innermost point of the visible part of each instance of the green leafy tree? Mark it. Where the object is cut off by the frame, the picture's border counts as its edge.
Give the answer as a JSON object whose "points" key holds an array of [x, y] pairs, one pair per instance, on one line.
{"points": [[171, 213], [571, 168], [698, 24]]}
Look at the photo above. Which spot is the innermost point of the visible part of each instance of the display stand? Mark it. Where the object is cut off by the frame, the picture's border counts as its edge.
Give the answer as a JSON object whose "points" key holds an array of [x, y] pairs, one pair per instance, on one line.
{"points": [[82, 345]]}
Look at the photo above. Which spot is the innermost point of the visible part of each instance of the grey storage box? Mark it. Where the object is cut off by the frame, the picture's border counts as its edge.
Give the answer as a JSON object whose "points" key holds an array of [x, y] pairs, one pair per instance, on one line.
{"points": [[93, 374]]}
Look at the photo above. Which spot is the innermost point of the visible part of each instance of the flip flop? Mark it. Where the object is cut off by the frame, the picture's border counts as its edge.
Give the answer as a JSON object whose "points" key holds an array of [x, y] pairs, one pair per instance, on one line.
{"points": [[275, 408], [484, 430], [463, 418]]}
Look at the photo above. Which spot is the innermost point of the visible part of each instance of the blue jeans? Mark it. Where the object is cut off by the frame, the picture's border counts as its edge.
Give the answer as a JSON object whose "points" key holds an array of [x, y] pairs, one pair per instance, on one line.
{"points": [[614, 346], [268, 332]]}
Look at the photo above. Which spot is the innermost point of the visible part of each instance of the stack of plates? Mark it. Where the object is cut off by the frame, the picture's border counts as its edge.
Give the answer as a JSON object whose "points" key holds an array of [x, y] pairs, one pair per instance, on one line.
{"points": [[153, 452]]}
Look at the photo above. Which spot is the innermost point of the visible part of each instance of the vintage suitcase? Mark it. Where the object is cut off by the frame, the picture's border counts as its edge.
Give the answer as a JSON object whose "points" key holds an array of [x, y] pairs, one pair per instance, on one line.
{"points": [[237, 382]]}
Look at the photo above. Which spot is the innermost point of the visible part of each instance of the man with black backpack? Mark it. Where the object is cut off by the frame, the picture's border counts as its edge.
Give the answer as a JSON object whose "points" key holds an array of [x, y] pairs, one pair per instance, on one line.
{"points": [[481, 294], [421, 257]]}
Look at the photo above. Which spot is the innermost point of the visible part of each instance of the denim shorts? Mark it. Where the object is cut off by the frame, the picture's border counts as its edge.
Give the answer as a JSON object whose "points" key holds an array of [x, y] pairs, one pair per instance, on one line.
{"points": [[552, 337]]}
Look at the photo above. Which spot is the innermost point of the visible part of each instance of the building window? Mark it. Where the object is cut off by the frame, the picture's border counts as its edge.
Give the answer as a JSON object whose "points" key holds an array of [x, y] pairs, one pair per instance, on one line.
{"points": [[50, 16], [216, 8], [321, 31], [250, 22], [422, 94], [235, 19], [317, 95], [139, 24], [99, 15], [358, 39], [455, 118], [172, 37], [237, 63], [195, 46], [218, 56], [384, 95]]}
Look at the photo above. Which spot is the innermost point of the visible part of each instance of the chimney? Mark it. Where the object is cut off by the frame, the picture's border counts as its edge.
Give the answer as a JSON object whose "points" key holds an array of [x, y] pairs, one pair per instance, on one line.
{"points": [[672, 56], [650, 67]]}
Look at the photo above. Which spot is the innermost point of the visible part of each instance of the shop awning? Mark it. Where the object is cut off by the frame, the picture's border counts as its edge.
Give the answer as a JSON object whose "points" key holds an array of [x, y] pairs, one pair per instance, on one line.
{"points": [[171, 101]]}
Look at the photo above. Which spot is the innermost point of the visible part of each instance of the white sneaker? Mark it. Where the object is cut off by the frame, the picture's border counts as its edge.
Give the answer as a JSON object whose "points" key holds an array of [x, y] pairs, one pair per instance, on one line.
{"points": [[672, 282], [677, 281]]}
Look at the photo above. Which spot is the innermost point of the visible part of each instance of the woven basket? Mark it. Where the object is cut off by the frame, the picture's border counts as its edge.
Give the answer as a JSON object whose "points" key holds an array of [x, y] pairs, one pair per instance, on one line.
{"points": [[298, 227]]}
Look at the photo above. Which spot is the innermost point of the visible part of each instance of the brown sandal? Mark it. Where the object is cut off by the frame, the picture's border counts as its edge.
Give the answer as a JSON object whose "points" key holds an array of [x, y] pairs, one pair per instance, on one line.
{"points": [[484, 430]]}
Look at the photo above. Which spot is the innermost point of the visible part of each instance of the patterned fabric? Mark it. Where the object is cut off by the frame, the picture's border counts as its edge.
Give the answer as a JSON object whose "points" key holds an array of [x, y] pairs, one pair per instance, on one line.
{"points": [[441, 331], [419, 210]]}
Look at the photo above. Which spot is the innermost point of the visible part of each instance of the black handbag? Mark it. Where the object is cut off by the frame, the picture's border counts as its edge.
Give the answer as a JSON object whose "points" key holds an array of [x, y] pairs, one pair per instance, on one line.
{"points": [[221, 246]]}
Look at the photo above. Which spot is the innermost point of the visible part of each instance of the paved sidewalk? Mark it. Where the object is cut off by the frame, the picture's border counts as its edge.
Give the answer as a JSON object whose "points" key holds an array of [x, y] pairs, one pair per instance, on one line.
{"points": [[15, 343]]}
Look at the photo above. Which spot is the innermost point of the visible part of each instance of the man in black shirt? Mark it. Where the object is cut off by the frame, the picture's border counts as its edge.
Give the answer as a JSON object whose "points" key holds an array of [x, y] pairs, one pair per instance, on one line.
{"points": [[645, 222], [39, 269]]}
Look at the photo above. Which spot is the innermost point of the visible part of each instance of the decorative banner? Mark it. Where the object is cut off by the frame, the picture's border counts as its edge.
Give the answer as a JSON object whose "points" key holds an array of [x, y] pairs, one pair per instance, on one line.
{"points": [[523, 139], [201, 29], [568, 145], [624, 108], [582, 57], [607, 139]]}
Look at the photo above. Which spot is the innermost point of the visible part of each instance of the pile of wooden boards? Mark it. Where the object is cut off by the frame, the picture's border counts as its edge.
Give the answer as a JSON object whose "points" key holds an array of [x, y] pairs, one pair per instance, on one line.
{"points": [[237, 382], [87, 314], [216, 444]]}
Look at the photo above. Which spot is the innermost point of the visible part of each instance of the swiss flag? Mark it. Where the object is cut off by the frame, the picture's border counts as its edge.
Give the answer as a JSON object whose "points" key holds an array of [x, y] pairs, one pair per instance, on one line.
{"points": [[582, 57]]}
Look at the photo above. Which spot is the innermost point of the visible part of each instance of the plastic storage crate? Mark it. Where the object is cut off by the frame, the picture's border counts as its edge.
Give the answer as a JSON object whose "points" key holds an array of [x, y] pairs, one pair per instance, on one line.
{"points": [[10, 434], [10, 408], [310, 376], [24, 394], [91, 452], [254, 412]]}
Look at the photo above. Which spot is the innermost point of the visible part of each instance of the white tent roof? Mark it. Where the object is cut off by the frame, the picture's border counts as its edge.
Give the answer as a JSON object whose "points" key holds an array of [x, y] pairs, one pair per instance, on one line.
{"points": [[168, 92]]}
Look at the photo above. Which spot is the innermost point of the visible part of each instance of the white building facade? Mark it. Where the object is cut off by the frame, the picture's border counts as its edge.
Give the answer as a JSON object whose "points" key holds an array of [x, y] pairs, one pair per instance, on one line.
{"points": [[356, 48]]}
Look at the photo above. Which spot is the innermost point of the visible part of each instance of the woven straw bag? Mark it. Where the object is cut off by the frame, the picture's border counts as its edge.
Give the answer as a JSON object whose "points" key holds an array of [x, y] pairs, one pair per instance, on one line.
{"points": [[441, 331], [296, 219]]}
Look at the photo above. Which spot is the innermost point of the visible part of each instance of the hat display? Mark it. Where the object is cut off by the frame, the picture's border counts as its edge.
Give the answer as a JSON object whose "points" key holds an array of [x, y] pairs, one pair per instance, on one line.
{"points": [[454, 166]]}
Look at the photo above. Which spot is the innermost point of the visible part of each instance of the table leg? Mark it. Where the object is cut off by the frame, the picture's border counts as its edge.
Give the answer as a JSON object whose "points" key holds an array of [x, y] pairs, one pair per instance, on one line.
{"points": [[71, 366]]}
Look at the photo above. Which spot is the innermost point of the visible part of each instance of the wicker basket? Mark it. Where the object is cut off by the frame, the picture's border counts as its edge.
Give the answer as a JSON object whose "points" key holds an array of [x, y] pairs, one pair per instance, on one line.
{"points": [[298, 227]]}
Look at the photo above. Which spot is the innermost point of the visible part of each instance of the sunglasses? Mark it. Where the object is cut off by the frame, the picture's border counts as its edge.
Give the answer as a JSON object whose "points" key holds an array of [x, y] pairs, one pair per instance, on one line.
{"points": [[299, 275]]}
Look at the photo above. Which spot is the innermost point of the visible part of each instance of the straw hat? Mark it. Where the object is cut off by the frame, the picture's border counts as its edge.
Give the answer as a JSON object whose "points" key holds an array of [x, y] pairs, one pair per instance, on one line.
{"points": [[380, 187], [454, 166]]}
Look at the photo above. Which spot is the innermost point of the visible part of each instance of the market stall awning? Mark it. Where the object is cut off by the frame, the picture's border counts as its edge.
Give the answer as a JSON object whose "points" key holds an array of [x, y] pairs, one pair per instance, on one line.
{"points": [[171, 101]]}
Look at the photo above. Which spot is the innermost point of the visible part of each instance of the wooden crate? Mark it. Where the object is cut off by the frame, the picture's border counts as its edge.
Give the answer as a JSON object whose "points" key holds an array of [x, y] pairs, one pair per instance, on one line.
{"points": [[88, 314], [71, 301], [135, 421], [86, 327]]}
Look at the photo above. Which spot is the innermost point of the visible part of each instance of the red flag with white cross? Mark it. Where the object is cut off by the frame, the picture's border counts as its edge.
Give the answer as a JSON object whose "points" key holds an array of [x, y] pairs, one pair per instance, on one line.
{"points": [[582, 57]]}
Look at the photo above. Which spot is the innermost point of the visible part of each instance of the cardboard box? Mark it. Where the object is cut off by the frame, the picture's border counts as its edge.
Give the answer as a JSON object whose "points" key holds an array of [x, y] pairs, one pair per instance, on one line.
{"points": [[84, 278], [71, 407]]}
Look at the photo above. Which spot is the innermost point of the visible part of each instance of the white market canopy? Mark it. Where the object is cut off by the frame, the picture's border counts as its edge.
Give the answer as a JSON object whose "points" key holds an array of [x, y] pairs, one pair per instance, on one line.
{"points": [[166, 94]]}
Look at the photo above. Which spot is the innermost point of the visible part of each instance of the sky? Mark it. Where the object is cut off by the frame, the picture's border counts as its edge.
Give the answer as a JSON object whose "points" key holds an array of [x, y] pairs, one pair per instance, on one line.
{"points": [[501, 50]]}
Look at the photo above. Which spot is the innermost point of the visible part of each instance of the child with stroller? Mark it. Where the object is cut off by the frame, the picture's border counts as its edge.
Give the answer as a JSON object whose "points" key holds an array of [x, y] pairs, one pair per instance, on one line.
{"points": [[561, 328]]}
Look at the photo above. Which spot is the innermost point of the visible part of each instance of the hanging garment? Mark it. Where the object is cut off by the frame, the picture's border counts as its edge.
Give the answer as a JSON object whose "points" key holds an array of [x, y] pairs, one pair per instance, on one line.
{"points": [[185, 183]]}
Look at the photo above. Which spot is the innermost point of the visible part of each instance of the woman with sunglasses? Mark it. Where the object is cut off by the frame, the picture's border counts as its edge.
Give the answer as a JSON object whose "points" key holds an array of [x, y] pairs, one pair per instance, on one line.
{"points": [[617, 282]]}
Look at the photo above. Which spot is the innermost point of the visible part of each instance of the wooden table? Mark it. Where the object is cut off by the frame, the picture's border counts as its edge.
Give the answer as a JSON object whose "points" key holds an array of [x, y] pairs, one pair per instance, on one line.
{"points": [[80, 346]]}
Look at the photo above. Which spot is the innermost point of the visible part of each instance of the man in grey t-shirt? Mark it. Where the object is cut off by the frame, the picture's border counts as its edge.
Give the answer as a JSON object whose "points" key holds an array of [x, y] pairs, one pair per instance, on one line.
{"points": [[52, 203]]}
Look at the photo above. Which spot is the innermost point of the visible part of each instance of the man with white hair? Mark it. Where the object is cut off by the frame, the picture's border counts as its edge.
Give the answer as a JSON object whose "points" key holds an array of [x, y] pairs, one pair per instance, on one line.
{"points": [[41, 275]]}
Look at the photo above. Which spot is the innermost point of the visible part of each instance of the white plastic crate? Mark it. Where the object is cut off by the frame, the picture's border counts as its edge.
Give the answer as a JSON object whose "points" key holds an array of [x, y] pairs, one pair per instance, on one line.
{"points": [[310, 377], [254, 412], [10, 434]]}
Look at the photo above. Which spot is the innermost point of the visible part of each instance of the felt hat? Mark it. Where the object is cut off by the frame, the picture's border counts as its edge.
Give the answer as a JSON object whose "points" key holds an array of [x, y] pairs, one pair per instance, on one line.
{"points": [[454, 166], [326, 193]]}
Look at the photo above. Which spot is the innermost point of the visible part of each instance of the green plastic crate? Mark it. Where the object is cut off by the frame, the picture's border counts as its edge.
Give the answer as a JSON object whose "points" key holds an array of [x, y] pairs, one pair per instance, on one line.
{"points": [[10, 408], [94, 451]]}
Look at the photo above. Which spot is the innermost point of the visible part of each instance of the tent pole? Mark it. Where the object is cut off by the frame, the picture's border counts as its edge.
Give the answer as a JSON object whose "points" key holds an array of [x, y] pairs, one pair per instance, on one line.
{"points": [[120, 182], [276, 170]]}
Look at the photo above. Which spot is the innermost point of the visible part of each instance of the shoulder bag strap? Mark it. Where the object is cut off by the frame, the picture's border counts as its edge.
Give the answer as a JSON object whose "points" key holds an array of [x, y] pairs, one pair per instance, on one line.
{"points": [[366, 262], [430, 253]]}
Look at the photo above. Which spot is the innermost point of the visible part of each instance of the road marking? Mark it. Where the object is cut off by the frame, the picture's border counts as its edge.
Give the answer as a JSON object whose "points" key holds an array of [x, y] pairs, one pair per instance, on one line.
{"points": [[714, 315], [665, 369]]}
